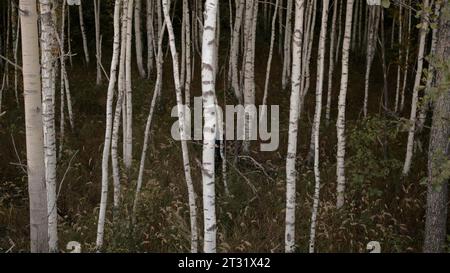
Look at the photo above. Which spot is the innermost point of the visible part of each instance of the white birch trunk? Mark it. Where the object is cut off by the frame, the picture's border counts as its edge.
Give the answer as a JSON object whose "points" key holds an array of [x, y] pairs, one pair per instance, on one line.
{"points": [[412, 119], [48, 117], [287, 46], [399, 67], [128, 138], [83, 33], [317, 116], [235, 52], [405, 73], [374, 22], [340, 125], [97, 41], [150, 38], [269, 61], [33, 125], [209, 54], [291, 173], [156, 92], [108, 130], [181, 116]]}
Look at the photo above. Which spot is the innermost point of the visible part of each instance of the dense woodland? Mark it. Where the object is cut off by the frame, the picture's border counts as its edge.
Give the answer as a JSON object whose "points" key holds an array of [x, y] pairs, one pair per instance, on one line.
{"points": [[91, 92]]}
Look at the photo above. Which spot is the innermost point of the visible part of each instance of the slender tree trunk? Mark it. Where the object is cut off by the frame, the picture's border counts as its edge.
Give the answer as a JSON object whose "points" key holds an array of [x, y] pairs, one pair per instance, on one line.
{"points": [[400, 56], [108, 130], [374, 22], [287, 46], [150, 38], [184, 147], [340, 125], [249, 73], [331, 63], [291, 172], [48, 117], [339, 25], [269, 62], [439, 150], [405, 75], [317, 116], [33, 125], [209, 55], [98, 45], [138, 39], [235, 52], [156, 92], [128, 138], [412, 119], [83, 33]]}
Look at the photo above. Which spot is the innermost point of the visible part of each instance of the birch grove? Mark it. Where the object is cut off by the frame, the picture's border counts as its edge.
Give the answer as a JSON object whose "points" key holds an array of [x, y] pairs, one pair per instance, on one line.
{"points": [[197, 131]]}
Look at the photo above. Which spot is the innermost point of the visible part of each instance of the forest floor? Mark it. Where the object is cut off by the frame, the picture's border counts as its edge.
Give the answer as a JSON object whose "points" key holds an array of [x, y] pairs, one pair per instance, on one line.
{"points": [[380, 204]]}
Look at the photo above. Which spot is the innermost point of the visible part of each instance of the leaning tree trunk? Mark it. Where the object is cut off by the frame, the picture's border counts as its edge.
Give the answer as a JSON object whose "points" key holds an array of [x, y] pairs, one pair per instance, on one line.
{"points": [[48, 117], [108, 130], [209, 55], [291, 172], [316, 129], [33, 125], [156, 92], [269, 63], [182, 126], [83, 33], [439, 150], [415, 95], [340, 124]]}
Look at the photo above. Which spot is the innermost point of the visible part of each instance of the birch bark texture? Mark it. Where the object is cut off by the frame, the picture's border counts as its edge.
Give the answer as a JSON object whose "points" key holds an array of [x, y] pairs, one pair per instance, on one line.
{"points": [[108, 130], [209, 55], [340, 124], [291, 172], [317, 118], [33, 124], [48, 117], [181, 116], [415, 96], [83, 33]]}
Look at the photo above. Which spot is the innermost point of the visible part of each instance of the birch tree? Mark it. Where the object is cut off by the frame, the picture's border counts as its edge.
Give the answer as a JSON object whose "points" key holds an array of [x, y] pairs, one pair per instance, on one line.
{"points": [[287, 45], [331, 62], [138, 38], [33, 125], [291, 173], [98, 46], [412, 119], [340, 124], [374, 22], [108, 129], [48, 117], [209, 55], [83, 33], [181, 122], [317, 116], [128, 114]]}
